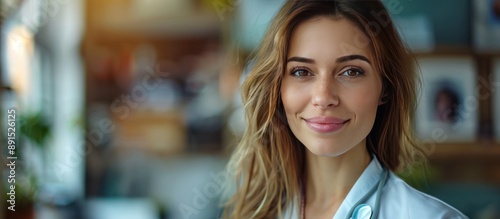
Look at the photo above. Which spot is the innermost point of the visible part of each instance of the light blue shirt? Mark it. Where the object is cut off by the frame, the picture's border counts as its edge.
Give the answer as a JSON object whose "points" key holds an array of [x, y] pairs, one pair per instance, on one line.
{"points": [[399, 200]]}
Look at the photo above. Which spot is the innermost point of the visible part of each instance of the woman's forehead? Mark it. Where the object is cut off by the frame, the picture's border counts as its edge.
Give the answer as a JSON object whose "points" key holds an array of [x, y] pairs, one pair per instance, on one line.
{"points": [[327, 37]]}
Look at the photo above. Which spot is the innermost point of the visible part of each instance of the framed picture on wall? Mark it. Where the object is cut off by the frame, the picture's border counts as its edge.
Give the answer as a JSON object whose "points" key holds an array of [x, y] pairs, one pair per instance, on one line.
{"points": [[448, 108], [495, 85], [486, 25]]}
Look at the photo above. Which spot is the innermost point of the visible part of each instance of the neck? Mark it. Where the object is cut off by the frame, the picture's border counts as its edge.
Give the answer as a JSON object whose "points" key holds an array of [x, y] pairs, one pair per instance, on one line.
{"points": [[329, 179]]}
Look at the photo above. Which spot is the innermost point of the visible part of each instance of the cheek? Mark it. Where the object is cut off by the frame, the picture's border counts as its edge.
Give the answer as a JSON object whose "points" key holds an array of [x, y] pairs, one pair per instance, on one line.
{"points": [[291, 99], [365, 100]]}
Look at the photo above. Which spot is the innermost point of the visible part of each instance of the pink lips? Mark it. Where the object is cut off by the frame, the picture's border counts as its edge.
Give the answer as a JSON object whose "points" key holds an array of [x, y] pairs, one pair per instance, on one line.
{"points": [[324, 124]]}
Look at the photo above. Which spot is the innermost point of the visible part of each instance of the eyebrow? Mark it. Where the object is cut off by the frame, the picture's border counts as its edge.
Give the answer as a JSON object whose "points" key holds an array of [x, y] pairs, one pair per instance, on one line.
{"points": [[339, 60], [352, 57]]}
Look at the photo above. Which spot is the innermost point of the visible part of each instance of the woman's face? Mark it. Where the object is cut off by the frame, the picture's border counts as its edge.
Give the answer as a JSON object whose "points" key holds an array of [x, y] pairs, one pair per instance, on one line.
{"points": [[330, 90]]}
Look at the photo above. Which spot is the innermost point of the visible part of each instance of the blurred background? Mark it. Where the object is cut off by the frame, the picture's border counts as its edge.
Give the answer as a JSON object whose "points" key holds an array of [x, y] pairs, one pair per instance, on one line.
{"points": [[129, 108]]}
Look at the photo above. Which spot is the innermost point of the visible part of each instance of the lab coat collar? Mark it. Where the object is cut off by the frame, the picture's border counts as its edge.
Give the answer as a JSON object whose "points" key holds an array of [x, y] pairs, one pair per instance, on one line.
{"points": [[365, 182]]}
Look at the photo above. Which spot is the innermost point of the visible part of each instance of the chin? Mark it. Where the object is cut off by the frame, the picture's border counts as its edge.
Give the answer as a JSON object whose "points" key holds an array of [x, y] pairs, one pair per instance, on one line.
{"points": [[327, 150]]}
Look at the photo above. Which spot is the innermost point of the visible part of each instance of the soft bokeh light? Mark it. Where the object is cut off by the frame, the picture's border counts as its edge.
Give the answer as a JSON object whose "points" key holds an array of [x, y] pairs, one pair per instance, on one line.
{"points": [[19, 50]]}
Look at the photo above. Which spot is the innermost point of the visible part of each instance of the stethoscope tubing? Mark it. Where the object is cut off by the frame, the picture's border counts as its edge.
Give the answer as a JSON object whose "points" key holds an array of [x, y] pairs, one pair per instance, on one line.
{"points": [[376, 188]]}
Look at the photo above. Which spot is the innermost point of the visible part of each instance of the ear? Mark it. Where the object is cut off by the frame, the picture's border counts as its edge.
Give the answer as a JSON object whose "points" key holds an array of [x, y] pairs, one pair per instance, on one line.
{"points": [[383, 99]]}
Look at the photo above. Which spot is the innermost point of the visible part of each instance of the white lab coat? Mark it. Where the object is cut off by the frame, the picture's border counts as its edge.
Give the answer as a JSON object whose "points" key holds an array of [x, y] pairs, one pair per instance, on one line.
{"points": [[398, 200]]}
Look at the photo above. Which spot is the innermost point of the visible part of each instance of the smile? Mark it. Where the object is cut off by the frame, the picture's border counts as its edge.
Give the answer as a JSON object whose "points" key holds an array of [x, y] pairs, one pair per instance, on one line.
{"points": [[322, 124]]}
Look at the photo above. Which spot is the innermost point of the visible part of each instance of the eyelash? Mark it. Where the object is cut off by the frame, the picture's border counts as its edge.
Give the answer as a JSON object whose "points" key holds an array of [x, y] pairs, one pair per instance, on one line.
{"points": [[359, 72], [300, 68]]}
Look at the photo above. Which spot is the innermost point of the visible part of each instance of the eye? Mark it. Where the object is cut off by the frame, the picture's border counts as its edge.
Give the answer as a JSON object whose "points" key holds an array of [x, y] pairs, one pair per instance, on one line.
{"points": [[300, 72], [353, 72]]}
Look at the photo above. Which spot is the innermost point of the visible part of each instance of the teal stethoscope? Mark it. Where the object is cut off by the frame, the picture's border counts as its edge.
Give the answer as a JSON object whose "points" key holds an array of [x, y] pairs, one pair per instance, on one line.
{"points": [[364, 211]]}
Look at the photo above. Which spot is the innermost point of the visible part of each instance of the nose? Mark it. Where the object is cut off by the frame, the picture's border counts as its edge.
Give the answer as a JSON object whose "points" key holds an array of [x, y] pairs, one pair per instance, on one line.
{"points": [[324, 94]]}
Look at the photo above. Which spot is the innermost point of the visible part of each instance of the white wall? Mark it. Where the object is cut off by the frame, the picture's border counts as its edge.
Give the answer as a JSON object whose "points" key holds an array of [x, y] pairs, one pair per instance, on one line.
{"points": [[61, 33]]}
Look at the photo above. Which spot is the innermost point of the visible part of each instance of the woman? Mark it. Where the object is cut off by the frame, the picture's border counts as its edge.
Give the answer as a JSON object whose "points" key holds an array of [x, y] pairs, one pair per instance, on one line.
{"points": [[329, 103]]}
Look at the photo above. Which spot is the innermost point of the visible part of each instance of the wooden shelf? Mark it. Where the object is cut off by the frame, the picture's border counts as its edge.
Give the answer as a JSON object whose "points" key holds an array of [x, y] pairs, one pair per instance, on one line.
{"points": [[467, 162], [195, 26], [466, 151]]}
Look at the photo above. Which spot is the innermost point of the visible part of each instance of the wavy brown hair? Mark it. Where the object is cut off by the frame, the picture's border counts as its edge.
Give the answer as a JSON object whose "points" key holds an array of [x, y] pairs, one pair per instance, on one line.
{"points": [[267, 162]]}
